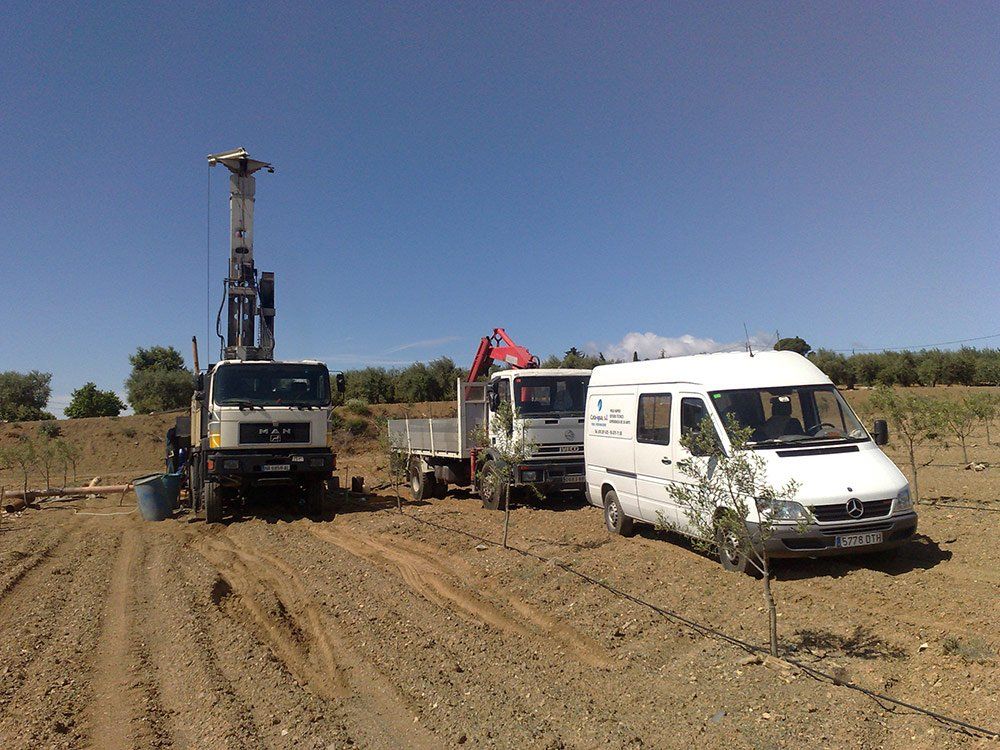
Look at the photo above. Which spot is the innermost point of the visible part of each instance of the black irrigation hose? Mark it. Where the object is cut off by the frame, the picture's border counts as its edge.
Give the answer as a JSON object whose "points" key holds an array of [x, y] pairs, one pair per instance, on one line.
{"points": [[945, 506], [711, 632]]}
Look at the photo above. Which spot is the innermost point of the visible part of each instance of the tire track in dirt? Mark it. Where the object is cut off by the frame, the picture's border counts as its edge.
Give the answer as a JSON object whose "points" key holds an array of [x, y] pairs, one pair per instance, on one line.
{"points": [[201, 706], [49, 552], [422, 570], [114, 713], [308, 644], [47, 637]]}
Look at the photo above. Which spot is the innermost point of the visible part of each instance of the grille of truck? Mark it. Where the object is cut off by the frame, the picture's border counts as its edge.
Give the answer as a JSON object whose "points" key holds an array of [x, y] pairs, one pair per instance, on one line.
{"points": [[261, 433], [838, 512]]}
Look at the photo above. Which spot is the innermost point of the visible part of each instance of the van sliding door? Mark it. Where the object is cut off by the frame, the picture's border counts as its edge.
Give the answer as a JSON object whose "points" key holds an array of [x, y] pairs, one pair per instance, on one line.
{"points": [[654, 469]]}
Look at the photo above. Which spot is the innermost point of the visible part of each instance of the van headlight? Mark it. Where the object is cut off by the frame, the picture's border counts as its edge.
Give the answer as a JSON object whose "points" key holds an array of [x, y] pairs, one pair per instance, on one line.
{"points": [[903, 499], [783, 510]]}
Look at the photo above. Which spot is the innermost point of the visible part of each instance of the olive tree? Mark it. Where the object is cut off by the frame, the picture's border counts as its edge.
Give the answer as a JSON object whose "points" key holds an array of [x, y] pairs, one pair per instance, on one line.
{"points": [[507, 449], [960, 418], [397, 461], [918, 420], [985, 407], [22, 454], [720, 493]]}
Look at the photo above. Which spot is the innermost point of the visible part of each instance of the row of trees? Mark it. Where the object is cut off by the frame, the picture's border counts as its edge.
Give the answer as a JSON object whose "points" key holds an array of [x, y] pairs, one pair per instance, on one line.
{"points": [[159, 381], [925, 422], [48, 453]]}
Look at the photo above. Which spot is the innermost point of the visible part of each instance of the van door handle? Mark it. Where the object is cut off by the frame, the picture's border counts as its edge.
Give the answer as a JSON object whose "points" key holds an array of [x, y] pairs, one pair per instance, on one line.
{"points": [[666, 461]]}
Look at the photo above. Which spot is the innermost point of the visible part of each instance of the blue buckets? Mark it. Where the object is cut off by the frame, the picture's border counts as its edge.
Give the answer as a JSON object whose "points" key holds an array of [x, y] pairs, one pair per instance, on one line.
{"points": [[157, 494]]}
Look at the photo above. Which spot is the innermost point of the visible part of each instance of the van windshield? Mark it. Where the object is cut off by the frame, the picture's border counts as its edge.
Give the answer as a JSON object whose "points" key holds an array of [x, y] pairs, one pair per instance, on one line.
{"points": [[558, 394], [796, 414], [271, 385]]}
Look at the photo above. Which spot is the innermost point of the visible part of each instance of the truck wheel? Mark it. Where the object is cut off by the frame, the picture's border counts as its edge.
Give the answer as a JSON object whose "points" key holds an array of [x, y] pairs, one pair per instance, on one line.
{"points": [[212, 497], [492, 489], [315, 497], [440, 489], [420, 487], [731, 553], [614, 517]]}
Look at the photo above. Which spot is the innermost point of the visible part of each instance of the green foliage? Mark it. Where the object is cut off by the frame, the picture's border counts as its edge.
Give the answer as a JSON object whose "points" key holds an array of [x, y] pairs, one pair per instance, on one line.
{"points": [[964, 366], [23, 396], [793, 344], [336, 421], [960, 418], [164, 358], [357, 426], [159, 380], [159, 390], [986, 407], [358, 406], [918, 420], [372, 384], [723, 490], [49, 430], [21, 454], [88, 401]]}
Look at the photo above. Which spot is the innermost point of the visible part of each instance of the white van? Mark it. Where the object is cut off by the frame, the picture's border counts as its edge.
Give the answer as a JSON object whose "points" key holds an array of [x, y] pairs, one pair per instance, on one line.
{"points": [[852, 497]]}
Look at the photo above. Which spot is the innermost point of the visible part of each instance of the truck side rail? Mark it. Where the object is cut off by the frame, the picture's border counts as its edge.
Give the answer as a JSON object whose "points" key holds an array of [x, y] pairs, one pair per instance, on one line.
{"points": [[447, 437]]}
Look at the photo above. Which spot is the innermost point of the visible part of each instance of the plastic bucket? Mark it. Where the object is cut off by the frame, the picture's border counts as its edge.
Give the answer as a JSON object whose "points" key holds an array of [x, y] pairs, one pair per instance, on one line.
{"points": [[172, 487], [154, 504]]}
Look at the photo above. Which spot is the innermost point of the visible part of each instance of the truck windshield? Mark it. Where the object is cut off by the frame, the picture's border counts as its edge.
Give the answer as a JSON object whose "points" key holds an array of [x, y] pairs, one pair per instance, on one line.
{"points": [[271, 385], [797, 414], [558, 394]]}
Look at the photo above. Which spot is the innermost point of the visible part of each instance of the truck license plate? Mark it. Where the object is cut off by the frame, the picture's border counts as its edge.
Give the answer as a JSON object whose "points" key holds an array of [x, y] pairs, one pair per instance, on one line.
{"points": [[276, 467], [858, 540]]}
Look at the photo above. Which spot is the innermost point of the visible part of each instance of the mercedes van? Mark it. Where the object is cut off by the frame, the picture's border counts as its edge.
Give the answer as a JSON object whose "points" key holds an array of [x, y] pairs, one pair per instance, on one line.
{"points": [[850, 497]]}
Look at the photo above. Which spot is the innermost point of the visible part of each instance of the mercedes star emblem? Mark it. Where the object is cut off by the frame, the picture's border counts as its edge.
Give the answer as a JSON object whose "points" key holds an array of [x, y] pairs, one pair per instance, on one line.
{"points": [[855, 508]]}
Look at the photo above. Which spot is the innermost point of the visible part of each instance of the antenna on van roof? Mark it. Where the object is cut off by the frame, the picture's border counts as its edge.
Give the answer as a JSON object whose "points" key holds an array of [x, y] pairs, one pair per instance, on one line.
{"points": [[747, 334]]}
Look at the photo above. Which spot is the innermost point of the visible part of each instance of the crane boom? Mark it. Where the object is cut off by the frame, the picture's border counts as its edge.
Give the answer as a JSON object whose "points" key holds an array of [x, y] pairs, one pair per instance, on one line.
{"points": [[499, 347], [246, 297]]}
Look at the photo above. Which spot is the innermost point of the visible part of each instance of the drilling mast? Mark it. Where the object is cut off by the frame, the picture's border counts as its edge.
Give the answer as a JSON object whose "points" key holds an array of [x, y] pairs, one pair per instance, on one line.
{"points": [[247, 298]]}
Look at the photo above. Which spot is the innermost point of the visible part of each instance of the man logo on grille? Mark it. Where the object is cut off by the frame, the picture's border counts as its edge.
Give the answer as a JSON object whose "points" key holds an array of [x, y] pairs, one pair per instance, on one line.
{"points": [[855, 508]]}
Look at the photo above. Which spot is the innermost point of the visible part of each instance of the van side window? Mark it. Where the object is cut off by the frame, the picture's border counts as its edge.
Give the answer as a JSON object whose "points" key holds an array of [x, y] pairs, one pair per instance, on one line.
{"points": [[654, 418], [693, 411]]}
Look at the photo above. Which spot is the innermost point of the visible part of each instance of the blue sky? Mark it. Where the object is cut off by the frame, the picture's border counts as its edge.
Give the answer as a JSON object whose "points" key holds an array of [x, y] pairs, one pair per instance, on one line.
{"points": [[574, 172]]}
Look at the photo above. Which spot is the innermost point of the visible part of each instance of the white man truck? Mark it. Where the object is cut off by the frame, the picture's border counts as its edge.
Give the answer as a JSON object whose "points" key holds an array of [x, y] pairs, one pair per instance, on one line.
{"points": [[851, 497], [547, 408], [255, 423]]}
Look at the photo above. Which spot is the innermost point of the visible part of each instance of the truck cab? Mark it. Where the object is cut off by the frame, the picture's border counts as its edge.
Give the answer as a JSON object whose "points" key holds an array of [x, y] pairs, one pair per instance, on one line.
{"points": [[259, 424], [548, 407]]}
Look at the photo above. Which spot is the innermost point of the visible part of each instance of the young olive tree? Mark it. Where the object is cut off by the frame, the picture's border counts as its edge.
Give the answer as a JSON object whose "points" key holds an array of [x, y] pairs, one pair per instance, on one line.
{"points": [[503, 449], [960, 418], [721, 494], [396, 458], [48, 455], [22, 454], [986, 407], [918, 420], [68, 454]]}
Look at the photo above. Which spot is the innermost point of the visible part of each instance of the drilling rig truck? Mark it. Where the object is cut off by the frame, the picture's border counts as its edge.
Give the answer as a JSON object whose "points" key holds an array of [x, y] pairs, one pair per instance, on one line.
{"points": [[256, 422], [547, 407]]}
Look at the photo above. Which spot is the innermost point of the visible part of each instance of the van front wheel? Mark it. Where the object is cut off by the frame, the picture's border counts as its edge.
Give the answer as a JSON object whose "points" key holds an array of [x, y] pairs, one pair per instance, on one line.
{"points": [[732, 554], [614, 517]]}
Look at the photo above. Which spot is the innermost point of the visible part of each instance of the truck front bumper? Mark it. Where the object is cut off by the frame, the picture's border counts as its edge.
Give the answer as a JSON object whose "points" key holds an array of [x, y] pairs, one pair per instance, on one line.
{"points": [[820, 540], [271, 465], [555, 475]]}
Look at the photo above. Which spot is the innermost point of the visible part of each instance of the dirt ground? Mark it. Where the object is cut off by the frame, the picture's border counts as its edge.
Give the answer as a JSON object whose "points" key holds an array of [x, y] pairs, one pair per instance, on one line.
{"points": [[373, 629]]}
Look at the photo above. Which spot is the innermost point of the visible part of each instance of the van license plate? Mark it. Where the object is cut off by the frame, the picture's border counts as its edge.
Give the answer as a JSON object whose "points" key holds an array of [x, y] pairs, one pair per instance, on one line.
{"points": [[573, 478], [858, 540], [284, 467]]}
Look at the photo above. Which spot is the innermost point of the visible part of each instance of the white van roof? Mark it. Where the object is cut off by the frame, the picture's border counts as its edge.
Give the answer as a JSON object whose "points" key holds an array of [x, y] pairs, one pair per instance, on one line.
{"points": [[716, 372]]}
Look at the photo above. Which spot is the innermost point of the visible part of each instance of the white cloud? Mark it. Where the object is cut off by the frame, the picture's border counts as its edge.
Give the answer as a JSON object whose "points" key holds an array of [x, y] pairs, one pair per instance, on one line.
{"points": [[422, 344], [651, 345]]}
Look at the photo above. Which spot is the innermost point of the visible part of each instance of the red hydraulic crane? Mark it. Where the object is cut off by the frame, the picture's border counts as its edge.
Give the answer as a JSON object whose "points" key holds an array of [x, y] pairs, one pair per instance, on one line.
{"points": [[499, 347]]}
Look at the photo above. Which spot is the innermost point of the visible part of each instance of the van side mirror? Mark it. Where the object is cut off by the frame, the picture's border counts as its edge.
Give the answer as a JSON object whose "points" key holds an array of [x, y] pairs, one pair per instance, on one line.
{"points": [[341, 382], [880, 432]]}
